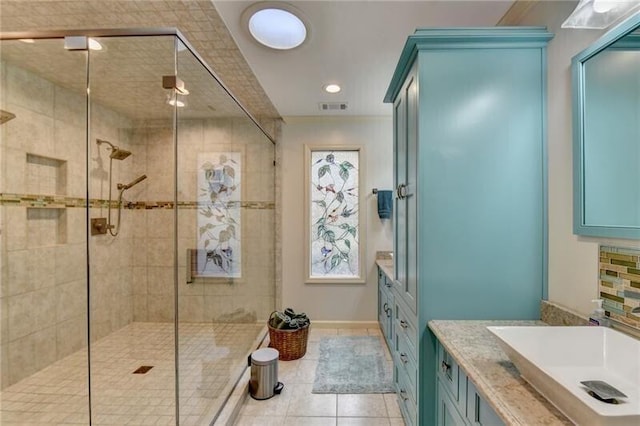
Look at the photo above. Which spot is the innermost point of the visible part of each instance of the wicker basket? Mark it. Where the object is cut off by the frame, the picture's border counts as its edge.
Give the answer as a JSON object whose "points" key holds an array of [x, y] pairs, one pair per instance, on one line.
{"points": [[292, 344]]}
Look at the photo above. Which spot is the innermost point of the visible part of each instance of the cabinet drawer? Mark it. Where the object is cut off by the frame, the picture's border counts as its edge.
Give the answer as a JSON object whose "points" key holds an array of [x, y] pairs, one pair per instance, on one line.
{"points": [[406, 394], [405, 324], [448, 372], [479, 413], [405, 358]]}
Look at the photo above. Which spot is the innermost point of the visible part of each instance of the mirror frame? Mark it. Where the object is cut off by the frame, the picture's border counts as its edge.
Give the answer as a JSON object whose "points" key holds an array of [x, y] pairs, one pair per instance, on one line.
{"points": [[577, 77]]}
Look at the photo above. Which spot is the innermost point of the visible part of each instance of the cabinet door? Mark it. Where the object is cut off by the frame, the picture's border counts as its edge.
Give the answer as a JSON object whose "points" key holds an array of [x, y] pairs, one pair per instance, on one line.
{"points": [[479, 413], [446, 410], [405, 170]]}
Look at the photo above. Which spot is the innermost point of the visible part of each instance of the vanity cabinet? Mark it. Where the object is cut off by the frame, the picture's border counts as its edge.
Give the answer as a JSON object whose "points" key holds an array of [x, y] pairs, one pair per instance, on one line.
{"points": [[470, 202], [458, 401], [385, 307]]}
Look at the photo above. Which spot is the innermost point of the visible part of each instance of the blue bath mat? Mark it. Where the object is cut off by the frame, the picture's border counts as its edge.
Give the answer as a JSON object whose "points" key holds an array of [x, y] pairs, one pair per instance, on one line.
{"points": [[353, 364]]}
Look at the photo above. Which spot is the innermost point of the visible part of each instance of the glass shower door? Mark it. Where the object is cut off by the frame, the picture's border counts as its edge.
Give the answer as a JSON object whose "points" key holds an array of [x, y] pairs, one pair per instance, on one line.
{"points": [[43, 243], [132, 253]]}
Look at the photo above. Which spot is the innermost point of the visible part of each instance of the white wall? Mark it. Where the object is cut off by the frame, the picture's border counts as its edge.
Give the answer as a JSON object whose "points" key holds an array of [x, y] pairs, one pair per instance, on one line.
{"points": [[573, 260], [333, 302]]}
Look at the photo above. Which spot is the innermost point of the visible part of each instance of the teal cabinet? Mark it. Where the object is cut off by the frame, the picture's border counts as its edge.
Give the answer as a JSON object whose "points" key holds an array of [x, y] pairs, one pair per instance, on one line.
{"points": [[385, 307], [448, 414], [470, 176]]}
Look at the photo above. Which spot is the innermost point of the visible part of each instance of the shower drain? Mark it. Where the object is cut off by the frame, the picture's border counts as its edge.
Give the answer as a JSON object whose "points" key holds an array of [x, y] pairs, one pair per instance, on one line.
{"points": [[144, 369]]}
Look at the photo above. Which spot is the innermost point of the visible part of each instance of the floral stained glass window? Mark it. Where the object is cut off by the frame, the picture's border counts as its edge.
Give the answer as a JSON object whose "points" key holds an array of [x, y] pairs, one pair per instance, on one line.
{"points": [[219, 215], [333, 214]]}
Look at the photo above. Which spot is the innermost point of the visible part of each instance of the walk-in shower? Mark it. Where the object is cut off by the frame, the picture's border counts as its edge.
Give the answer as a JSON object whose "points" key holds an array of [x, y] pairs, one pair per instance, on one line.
{"points": [[133, 328]]}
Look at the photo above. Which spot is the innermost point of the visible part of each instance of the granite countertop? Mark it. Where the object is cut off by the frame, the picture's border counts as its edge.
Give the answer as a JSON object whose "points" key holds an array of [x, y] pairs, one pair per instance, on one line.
{"points": [[387, 266], [496, 378]]}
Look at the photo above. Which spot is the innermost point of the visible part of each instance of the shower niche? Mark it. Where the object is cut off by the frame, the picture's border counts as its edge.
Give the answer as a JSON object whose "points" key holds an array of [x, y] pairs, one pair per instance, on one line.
{"points": [[100, 192]]}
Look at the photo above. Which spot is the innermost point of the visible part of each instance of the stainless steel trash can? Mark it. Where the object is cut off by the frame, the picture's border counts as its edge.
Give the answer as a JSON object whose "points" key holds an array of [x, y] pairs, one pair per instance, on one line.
{"points": [[264, 374]]}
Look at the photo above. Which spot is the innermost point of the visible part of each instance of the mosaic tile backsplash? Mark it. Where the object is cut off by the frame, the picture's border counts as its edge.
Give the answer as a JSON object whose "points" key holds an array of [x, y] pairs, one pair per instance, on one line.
{"points": [[620, 283]]}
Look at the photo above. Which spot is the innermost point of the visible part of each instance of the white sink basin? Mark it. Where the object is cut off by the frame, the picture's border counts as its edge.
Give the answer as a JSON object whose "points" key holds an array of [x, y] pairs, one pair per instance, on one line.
{"points": [[554, 360]]}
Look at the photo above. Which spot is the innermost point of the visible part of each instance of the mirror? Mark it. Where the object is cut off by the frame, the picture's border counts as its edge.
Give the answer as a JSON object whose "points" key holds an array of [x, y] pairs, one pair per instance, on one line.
{"points": [[606, 89]]}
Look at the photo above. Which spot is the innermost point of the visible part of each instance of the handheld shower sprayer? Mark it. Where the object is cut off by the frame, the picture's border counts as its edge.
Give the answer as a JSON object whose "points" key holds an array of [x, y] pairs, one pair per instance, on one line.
{"points": [[123, 187]]}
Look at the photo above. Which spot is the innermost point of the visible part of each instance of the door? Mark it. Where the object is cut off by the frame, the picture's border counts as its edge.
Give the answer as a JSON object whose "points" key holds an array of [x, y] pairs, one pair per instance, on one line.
{"points": [[405, 172]]}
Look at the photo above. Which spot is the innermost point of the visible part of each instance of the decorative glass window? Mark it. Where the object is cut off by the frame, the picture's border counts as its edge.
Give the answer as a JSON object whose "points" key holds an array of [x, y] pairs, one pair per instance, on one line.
{"points": [[335, 237], [219, 251]]}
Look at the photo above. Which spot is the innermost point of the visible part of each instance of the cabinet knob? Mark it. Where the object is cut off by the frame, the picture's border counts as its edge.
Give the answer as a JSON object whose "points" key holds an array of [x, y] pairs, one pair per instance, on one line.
{"points": [[403, 394], [404, 324], [403, 358], [445, 367]]}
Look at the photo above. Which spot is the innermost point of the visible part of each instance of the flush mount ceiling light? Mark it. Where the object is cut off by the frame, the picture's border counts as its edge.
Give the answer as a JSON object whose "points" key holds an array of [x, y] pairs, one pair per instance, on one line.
{"points": [[332, 88], [276, 25], [600, 14]]}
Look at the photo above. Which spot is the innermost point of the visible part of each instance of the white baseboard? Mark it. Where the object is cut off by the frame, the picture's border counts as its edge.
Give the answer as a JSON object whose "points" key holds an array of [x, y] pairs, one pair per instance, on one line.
{"points": [[344, 324]]}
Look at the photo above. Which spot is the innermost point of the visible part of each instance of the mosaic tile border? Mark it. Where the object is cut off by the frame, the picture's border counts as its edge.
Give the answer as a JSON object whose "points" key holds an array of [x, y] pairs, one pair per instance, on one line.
{"points": [[61, 202], [619, 283]]}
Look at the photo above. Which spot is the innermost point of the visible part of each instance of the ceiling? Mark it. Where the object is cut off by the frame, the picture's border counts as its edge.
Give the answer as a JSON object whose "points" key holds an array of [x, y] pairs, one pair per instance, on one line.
{"points": [[354, 43]]}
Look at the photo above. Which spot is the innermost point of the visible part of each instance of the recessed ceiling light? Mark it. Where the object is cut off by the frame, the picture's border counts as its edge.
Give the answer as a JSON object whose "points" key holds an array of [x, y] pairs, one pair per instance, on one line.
{"points": [[332, 88], [276, 25]]}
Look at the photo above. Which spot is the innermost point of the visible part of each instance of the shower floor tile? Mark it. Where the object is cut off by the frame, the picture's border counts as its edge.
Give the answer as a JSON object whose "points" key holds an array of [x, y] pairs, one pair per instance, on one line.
{"points": [[212, 357]]}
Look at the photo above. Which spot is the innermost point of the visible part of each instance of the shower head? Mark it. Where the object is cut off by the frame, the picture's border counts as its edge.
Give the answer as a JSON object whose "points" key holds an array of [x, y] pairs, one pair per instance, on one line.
{"points": [[116, 153], [122, 186]]}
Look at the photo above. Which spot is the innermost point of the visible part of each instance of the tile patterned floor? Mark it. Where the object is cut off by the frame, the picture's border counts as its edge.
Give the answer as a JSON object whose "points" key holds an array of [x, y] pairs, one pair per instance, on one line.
{"points": [[210, 355], [297, 406]]}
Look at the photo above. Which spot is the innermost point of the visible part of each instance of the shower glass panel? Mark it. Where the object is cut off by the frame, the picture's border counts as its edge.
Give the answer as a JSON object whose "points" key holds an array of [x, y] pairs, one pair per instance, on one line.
{"points": [[226, 237], [137, 245], [131, 185], [43, 243]]}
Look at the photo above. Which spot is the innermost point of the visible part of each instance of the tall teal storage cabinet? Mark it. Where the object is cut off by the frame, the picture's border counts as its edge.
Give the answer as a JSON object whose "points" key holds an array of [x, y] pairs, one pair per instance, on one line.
{"points": [[470, 177]]}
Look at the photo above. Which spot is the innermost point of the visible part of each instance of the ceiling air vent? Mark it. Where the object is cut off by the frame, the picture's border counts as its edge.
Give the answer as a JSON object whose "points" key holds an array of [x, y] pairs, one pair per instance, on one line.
{"points": [[332, 106]]}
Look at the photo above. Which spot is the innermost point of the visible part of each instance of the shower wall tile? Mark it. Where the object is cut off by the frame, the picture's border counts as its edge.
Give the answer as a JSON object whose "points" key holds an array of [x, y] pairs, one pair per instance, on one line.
{"points": [[15, 180], [71, 300], [191, 308], [160, 224], [16, 234], [30, 132], [160, 280], [17, 269], [42, 267], [22, 320], [76, 226], [71, 263], [70, 107], [22, 358], [139, 282], [140, 308], [29, 91], [160, 308], [160, 252], [71, 335], [44, 308], [45, 347]]}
